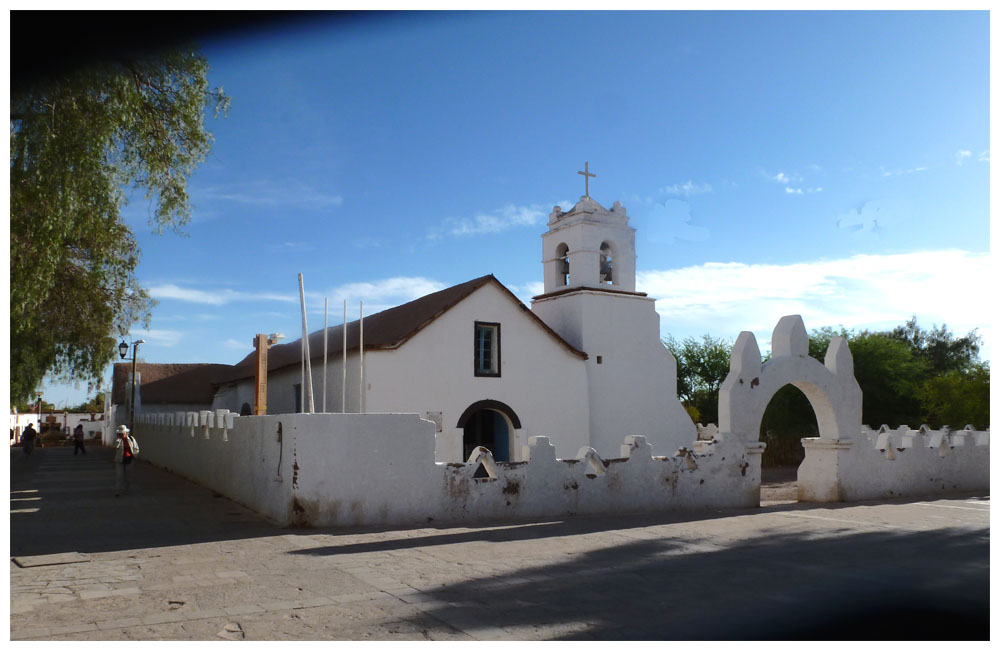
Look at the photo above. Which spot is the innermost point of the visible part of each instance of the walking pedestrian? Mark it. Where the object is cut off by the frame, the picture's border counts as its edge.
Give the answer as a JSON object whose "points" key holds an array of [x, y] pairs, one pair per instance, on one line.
{"points": [[126, 450], [78, 439], [28, 438]]}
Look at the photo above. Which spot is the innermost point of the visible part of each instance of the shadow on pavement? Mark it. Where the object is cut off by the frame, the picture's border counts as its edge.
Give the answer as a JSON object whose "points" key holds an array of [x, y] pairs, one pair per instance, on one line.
{"points": [[930, 585], [63, 503]]}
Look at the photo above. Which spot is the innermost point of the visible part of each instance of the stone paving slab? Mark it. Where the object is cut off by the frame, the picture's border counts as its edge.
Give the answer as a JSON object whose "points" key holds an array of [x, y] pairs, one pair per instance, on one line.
{"points": [[50, 559], [788, 571]]}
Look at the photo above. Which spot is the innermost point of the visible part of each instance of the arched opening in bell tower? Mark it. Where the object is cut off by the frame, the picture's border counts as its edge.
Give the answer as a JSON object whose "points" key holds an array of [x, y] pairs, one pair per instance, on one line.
{"points": [[607, 265], [562, 265]]}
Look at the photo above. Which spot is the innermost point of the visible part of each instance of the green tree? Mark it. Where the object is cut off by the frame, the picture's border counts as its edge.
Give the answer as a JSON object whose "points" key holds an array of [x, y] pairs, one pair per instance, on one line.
{"points": [[701, 368], [95, 404], [80, 143], [941, 349], [957, 398]]}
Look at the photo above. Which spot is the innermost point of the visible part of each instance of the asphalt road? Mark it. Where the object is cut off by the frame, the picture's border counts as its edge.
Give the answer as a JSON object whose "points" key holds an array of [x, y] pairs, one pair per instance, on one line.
{"points": [[173, 561]]}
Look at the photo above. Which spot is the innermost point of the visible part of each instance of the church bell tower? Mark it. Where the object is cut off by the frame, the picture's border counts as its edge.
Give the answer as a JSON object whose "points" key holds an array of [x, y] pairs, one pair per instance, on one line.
{"points": [[589, 246], [589, 261]]}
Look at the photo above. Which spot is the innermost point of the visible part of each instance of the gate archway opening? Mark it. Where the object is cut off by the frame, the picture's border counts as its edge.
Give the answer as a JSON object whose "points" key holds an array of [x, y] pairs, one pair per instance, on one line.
{"points": [[788, 418]]}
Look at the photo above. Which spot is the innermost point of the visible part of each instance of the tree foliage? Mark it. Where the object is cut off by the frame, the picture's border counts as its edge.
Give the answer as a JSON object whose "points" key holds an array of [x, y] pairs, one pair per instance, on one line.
{"points": [[701, 368], [908, 376], [80, 143]]}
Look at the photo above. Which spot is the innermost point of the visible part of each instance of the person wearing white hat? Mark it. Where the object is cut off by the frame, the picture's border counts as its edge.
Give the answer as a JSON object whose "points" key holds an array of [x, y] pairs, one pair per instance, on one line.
{"points": [[126, 449]]}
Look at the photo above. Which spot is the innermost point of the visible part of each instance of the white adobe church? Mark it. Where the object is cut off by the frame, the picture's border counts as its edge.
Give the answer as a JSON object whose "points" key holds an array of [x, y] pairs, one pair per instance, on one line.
{"points": [[584, 365]]}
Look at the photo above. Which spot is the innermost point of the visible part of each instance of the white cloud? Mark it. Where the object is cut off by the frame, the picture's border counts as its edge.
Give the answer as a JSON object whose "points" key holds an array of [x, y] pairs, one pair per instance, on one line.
{"points": [[802, 190], [984, 157], [687, 189], [667, 222], [781, 177], [527, 291], [213, 297], [270, 192], [377, 295], [502, 219], [165, 338], [793, 190], [861, 292], [871, 218], [961, 155], [912, 170]]}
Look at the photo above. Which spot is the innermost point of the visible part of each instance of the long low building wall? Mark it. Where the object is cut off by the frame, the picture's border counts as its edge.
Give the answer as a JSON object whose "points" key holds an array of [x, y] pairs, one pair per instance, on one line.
{"points": [[379, 469], [371, 469]]}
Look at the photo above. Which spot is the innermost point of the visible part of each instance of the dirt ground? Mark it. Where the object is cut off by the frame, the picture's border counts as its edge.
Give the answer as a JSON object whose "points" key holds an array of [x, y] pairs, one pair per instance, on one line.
{"points": [[778, 484]]}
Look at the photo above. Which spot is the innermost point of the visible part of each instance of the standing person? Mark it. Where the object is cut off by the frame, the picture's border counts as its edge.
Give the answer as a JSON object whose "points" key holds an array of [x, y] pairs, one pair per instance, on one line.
{"points": [[125, 450], [78, 439], [28, 438]]}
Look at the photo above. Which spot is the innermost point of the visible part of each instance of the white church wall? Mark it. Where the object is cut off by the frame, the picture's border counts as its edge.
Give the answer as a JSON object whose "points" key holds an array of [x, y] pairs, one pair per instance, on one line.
{"points": [[633, 390], [540, 380], [894, 463], [379, 469]]}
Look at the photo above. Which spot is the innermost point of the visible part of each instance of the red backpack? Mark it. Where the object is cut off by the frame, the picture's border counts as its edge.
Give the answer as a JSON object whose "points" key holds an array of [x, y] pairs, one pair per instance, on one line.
{"points": [[127, 452]]}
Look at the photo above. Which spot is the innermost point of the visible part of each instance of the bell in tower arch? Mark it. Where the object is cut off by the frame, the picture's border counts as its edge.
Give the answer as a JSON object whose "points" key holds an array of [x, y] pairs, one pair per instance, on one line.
{"points": [[562, 266], [607, 264]]}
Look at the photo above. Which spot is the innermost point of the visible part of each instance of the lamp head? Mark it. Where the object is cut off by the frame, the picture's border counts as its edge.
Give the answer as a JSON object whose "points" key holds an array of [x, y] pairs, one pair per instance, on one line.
{"points": [[123, 349]]}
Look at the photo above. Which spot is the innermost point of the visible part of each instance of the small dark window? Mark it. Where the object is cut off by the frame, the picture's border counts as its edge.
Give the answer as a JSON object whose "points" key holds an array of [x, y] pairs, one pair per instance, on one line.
{"points": [[600, 359], [298, 398], [487, 349]]}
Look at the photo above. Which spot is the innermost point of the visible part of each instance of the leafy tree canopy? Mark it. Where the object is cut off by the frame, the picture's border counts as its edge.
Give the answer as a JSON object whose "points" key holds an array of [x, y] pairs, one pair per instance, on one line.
{"points": [[701, 368], [80, 143], [908, 375]]}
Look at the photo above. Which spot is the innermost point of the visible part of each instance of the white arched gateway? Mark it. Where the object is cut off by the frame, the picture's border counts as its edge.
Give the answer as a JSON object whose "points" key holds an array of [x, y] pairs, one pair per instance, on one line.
{"points": [[830, 387]]}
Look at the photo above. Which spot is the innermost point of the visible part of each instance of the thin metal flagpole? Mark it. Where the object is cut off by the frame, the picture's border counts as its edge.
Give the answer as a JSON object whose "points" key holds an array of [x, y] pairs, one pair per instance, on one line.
{"points": [[326, 331], [343, 366], [361, 358], [305, 349]]}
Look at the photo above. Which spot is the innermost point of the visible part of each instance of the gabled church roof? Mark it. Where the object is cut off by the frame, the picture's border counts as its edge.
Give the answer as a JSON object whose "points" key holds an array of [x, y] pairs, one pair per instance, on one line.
{"points": [[386, 330]]}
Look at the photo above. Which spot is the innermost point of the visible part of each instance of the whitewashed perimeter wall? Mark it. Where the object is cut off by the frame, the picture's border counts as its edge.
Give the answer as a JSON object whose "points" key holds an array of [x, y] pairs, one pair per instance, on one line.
{"points": [[379, 469], [894, 463], [889, 463]]}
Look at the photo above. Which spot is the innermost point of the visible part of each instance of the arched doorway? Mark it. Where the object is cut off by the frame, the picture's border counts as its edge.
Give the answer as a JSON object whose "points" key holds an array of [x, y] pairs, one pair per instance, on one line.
{"points": [[829, 387], [490, 424], [788, 418]]}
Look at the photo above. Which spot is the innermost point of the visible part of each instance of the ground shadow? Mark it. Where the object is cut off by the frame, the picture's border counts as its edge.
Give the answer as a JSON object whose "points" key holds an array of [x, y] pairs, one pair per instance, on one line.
{"points": [[63, 503], [875, 586]]}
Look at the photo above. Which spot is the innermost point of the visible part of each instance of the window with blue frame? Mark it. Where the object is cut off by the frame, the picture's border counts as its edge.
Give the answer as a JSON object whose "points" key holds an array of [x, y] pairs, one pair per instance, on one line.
{"points": [[487, 349]]}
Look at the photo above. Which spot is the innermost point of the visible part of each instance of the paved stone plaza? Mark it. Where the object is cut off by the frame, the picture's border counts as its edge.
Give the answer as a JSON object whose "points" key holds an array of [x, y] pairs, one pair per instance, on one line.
{"points": [[172, 561]]}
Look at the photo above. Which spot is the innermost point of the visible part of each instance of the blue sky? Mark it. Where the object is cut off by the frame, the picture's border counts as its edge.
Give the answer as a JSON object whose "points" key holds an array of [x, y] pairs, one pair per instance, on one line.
{"points": [[830, 164]]}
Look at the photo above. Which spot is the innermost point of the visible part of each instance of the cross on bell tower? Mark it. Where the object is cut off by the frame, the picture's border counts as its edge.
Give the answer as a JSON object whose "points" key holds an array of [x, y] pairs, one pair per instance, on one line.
{"points": [[586, 178]]}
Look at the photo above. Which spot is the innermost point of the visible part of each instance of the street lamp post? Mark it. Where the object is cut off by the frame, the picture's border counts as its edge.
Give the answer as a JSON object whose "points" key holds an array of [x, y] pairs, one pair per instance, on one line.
{"points": [[123, 350]]}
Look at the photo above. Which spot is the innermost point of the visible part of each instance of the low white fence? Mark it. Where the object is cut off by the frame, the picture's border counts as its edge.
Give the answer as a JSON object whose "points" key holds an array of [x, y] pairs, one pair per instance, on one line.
{"points": [[365, 469], [379, 469]]}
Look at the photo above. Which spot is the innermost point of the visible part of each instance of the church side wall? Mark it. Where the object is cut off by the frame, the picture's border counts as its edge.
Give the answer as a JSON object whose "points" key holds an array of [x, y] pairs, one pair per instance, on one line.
{"points": [[540, 380]]}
